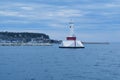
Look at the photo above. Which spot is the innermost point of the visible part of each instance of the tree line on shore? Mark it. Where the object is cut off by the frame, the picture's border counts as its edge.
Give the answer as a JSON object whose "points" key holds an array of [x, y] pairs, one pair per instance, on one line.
{"points": [[25, 37]]}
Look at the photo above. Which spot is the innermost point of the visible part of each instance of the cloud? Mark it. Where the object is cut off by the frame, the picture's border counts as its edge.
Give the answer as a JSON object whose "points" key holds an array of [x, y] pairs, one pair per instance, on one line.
{"points": [[26, 8], [38, 12], [11, 13], [52, 17]]}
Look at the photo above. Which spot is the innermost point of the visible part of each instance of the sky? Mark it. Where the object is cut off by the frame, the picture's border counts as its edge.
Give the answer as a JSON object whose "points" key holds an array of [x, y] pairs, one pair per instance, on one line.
{"points": [[94, 20]]}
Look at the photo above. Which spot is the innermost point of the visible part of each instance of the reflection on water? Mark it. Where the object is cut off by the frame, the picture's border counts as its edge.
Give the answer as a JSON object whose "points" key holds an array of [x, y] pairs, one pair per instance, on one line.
{"points": [[95, 62]]}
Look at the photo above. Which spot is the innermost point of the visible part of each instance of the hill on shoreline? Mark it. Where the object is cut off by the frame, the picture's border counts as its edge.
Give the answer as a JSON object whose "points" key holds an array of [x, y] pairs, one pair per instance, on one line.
{"points": [[25, 37]]}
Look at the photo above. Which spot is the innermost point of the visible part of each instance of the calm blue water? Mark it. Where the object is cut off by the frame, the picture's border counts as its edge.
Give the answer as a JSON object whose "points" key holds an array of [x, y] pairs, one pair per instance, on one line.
{"points": [[95, 62]]}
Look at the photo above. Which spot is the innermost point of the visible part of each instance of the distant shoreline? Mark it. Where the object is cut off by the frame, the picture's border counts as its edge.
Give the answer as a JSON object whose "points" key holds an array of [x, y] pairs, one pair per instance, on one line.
{"points": [[95, 42], [25, 44], [42, 44]]}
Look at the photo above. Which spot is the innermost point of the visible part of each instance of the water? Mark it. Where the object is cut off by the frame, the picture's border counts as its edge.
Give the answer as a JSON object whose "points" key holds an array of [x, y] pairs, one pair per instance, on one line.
{"points": [[95, 62]]}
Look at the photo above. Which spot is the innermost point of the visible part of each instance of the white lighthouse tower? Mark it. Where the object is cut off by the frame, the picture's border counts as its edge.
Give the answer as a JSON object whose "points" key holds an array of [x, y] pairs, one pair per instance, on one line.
{"points": [[71, 41]]}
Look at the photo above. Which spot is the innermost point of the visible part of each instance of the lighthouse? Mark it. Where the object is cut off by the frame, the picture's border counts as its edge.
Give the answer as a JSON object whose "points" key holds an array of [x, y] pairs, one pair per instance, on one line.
{"points": [[71, 41]]}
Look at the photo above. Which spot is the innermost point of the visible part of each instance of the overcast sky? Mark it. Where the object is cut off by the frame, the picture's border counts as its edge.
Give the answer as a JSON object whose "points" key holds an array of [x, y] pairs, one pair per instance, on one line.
{"points": [[94, 20]]}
